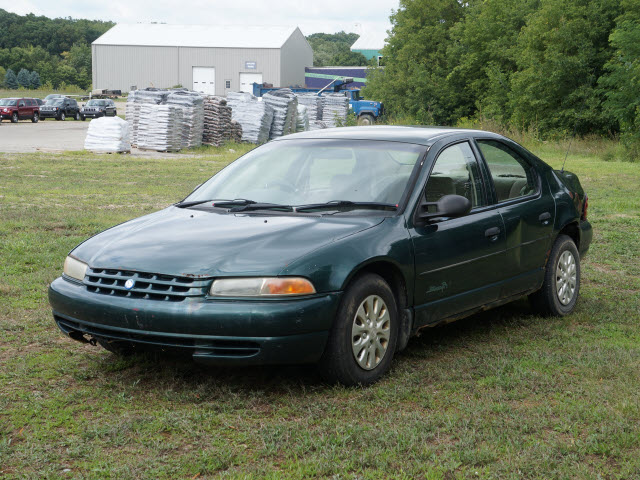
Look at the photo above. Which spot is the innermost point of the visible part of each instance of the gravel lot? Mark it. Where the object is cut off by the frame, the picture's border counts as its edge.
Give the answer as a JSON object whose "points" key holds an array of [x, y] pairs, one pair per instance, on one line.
{"points": [[47, 136]]}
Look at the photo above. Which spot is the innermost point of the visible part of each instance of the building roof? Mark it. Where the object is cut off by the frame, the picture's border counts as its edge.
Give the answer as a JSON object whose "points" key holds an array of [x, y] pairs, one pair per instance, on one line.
{"points": [[221, 36], [370, 41]]}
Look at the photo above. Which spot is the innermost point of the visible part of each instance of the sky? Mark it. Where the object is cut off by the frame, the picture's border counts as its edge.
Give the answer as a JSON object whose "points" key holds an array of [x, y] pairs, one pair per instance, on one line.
{"points": [[329, 16]]}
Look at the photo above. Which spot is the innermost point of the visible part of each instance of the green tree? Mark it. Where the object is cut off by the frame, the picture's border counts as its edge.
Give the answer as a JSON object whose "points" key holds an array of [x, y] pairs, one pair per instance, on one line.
{"points": [[3, 72], [35, 80], [415, 80], [10, 80], [561, 53], [24, 78], [621, 83], [334, 49]]}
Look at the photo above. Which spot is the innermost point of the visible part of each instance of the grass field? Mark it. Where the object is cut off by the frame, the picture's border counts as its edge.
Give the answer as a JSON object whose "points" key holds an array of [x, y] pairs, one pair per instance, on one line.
{"points": [[504, 394]]}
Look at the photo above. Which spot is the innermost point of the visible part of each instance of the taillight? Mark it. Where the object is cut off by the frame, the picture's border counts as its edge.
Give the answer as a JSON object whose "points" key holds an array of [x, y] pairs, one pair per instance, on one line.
{"points": [[585, 207]]}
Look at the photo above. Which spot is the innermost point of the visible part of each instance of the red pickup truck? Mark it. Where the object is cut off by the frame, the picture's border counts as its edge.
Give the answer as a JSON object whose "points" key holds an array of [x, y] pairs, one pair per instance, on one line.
{"points": [[15, 109]]}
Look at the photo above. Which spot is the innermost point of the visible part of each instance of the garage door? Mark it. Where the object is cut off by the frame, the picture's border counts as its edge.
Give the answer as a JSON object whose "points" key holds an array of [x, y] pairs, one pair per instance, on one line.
{"points": [[248, 79], [204, 80]]}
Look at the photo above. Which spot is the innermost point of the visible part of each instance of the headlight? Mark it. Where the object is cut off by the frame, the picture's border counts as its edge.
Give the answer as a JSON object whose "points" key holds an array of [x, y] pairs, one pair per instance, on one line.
{"points": [[261, 287], [74, 268]]}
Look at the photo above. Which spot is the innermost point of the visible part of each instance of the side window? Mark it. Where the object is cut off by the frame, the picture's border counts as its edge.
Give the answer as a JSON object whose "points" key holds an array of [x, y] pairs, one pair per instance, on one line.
{"points": [[456, 172], [512, 176]]}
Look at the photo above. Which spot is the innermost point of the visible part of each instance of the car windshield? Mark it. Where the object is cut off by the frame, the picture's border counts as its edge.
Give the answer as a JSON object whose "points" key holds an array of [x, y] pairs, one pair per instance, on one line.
{"points": [[53, 95], [8, 102], [305, 172], [56, 102], [96, 103]]}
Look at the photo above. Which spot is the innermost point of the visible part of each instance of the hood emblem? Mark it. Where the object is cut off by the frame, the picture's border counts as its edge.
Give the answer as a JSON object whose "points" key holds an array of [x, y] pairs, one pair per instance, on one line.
{"points": [[129, 284]]}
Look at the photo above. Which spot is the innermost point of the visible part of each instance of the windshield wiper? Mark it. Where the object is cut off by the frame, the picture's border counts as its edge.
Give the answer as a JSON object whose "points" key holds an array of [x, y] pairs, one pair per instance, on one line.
{"points": [[217, 202], [346, 204], [260, 206]]}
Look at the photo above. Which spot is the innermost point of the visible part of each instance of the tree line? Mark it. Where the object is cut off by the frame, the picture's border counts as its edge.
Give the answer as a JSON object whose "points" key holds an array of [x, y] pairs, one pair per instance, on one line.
{"points": [[553, 66], [57, 50]]}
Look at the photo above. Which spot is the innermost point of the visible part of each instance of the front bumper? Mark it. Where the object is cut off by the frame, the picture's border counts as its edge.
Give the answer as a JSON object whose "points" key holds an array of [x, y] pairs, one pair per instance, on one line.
{"points": [[6, 116], [49, 114], [221, 332], [92, 114]]}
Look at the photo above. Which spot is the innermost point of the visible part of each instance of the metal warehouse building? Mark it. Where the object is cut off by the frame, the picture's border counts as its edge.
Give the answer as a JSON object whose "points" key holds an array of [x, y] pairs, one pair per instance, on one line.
{"points": [[207, 58]]}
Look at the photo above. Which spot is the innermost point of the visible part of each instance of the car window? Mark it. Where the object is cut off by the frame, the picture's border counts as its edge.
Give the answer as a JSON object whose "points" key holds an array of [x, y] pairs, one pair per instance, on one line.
{"points": [[456, 172], [21, 104], [512, 176]]}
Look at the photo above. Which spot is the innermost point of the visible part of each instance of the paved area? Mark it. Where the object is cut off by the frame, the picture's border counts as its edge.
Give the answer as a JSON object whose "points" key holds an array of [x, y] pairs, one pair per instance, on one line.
{"points": [[49, 135]]}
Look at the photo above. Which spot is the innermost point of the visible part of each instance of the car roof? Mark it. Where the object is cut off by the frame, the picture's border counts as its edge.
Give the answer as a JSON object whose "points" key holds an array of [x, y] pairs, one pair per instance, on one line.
{"points": [[421, 135]]}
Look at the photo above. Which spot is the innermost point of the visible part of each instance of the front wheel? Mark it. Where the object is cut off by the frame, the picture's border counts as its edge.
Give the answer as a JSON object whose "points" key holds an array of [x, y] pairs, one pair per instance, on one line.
{"points": [[561, 286], [366, 119], [14, 118], [83, 118], [363, 337], [63, 117]]}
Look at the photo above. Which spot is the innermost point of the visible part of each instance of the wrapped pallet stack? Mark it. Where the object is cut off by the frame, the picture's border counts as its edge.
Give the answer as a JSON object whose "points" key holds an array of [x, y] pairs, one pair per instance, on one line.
{"points": [[285, 110], [314, 103], [160, 128], [217, 121], [192, 123], [254, 117], [108, 135], [335, 109], [302, 119], [236, 132]]}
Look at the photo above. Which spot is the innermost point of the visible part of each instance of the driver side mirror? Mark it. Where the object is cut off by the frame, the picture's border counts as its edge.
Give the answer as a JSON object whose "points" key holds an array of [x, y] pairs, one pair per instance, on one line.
{"points": [[452, 206]]}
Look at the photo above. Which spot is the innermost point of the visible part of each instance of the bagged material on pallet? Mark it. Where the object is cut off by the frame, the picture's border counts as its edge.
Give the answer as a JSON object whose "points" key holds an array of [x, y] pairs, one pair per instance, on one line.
{"points": [[317, 125], [217, 121], [160, 128], [254, 117], [192, 124], [314, 103], [285, 105], [136, 98], [335, 109], [236, 132], [108, 134], [302, 119]]}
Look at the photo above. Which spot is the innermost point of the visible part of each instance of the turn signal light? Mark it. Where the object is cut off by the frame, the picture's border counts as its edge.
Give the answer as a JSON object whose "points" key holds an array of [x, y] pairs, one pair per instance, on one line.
{"points": [[287, 286]]}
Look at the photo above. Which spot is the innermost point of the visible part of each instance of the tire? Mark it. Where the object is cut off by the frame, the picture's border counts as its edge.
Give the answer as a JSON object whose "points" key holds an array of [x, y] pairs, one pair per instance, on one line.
{"points": [[561, 285], [62, 117], [366, 119], [36, 117], [77, 116], [346, 358], [83, 118], [14, 118]]}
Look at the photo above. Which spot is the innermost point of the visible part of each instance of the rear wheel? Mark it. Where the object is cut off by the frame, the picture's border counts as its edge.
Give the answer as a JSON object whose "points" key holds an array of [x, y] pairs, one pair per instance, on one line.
{"points": [[35, 118], [77, 116], [561, 286], [363, 337]]}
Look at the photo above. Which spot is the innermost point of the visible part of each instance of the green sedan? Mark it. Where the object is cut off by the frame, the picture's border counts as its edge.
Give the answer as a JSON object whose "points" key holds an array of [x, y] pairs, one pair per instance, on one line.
{"points": [[333, 247]]}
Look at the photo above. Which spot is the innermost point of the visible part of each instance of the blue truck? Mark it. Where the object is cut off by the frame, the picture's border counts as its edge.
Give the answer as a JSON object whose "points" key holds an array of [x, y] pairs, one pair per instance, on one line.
{"points": [[366, 111]]}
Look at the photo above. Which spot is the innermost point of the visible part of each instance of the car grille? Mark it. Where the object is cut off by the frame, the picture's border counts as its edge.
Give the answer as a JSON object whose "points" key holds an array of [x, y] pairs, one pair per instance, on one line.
{"points": [[150, 286]]}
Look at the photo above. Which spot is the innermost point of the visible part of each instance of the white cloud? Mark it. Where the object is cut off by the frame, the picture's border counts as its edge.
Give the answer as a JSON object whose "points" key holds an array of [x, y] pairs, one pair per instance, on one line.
{"points": [[327, 16]]}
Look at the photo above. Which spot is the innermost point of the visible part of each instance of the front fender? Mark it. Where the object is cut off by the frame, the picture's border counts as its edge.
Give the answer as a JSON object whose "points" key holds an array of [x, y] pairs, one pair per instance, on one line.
{"points": [[332, 266]]}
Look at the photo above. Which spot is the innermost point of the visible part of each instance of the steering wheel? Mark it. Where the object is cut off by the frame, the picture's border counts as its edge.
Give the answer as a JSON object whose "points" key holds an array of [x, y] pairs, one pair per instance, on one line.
{"points": [[282, 184]]}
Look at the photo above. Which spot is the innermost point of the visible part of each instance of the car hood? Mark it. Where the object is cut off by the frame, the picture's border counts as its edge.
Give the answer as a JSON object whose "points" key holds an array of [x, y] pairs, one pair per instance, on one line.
{"points": [[190, 242]]}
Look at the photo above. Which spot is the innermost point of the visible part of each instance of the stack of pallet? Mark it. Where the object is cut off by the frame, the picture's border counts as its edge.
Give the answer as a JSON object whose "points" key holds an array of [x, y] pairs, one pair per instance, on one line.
{"points": [[217, 121], [335, 109], [302, 119], [136, 98], [236, 132], [314, 103], [285, 108], [254, 117], [160, 128], [192, 123]]}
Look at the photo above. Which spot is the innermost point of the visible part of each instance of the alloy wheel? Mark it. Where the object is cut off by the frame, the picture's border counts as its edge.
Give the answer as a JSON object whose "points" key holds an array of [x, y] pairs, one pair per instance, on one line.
{"points": [[566, 277]]}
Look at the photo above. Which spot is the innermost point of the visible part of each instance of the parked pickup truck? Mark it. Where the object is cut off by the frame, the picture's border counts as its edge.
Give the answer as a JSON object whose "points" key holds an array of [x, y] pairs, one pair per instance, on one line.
{"points": [[15, 109]]}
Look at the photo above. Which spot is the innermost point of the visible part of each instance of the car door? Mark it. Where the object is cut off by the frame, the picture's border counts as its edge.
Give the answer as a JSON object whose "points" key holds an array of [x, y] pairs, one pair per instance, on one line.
{"points": [[527, 209], [457, 260], [22, 109]]}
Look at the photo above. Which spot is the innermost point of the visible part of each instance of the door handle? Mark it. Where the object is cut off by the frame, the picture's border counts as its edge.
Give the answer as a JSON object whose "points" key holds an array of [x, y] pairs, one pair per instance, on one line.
{"points": [[492, 233], [545, 217]]}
